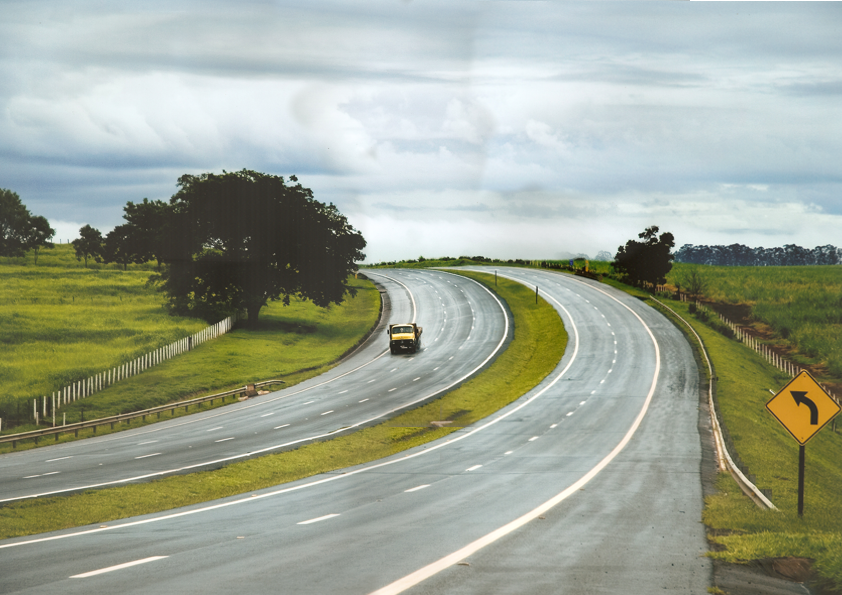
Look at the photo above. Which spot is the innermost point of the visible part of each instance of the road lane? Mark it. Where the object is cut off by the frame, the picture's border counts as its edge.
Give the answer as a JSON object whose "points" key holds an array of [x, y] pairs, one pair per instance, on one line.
{"points": [[633, 528], [370, 385]]}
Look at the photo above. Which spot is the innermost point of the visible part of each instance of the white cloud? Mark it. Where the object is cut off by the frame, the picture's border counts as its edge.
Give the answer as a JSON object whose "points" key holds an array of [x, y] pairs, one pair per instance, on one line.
{"points": [[514, 126]]}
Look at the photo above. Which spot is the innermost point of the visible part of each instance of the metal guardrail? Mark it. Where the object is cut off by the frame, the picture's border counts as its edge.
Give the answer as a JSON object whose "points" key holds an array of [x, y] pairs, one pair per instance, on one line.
{"points": [[726, 461], [94, 423]]}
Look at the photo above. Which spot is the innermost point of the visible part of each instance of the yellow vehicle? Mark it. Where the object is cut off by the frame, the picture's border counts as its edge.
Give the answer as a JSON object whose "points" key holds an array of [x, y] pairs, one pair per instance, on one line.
{"points": [[405, 336]]}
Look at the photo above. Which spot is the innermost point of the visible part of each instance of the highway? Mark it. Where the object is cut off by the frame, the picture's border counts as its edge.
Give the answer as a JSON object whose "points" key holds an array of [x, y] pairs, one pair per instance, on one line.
{"points": [[464, 326], [590, 483]]}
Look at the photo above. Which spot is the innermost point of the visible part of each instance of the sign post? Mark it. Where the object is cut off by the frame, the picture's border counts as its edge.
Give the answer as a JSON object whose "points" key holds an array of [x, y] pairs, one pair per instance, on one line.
{"points": [[803, 408]]}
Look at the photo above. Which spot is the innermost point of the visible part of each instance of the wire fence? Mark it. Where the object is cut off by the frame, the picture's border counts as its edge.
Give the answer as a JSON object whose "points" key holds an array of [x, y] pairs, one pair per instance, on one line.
{"points": [[770, 355]]}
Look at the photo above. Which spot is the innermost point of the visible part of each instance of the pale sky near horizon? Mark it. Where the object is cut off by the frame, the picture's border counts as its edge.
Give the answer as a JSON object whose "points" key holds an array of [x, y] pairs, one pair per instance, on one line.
{"points": [[506, 129]]}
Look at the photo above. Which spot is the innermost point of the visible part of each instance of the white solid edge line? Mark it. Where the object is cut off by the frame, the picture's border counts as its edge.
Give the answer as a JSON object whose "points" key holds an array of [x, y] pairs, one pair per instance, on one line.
{"points": [[195, 420], [254, 497], [722, 449], [118, 567], [426, 572], [170, 471], [191, 420], [411, 298]]}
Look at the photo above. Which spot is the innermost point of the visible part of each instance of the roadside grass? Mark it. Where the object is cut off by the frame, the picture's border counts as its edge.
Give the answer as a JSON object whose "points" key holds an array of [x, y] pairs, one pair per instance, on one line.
{"points": [[745, 531], [60, 325], [538, 345], [63, 323], [802, 304], [294, 343]]}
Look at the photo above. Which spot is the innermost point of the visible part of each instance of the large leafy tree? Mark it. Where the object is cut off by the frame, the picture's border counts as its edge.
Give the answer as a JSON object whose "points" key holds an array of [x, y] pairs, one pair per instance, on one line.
{"points": [[647, 261], [88, 244], [236, 240], [20, 231], [38, 235], [139, 239], [14, 220], [145, 224], [119, 246]]}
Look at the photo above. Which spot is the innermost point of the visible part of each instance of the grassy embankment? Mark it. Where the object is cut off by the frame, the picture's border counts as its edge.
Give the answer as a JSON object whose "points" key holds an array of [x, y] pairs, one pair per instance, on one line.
{"points": [[802, 306], [737, 525], [59, 324], [532, 354]]}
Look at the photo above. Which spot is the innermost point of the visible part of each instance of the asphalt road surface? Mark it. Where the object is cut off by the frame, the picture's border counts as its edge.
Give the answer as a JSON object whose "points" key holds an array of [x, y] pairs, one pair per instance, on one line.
{"points": [[464, 326], [590, 483]]}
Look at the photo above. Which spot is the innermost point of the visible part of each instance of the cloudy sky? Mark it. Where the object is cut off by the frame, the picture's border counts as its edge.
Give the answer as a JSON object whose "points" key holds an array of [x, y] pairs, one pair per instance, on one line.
{"points": [[507, 129]]}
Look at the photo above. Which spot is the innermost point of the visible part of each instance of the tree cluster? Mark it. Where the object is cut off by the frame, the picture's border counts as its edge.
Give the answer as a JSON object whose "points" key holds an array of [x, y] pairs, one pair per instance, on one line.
{"points": [[740, 255], [647, 261], [20, 230], [233, 242]]}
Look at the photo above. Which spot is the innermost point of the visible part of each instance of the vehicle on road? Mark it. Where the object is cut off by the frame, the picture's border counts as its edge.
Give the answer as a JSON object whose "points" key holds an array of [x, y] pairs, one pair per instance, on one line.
{"points": [[405, 336]]}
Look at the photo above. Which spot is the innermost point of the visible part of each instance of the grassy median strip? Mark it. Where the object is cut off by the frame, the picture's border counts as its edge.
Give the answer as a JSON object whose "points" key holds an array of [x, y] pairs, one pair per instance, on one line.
{"points": [[743, 531], [538, 345]]}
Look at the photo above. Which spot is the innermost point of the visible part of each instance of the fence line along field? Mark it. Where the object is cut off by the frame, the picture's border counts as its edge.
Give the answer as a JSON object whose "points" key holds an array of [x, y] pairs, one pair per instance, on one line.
{"points": [[61, 324], [801, 304]]}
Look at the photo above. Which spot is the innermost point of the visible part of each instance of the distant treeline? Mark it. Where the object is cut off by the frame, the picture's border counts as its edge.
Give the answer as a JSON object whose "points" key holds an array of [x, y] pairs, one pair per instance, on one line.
{"points": [[739, 255]]}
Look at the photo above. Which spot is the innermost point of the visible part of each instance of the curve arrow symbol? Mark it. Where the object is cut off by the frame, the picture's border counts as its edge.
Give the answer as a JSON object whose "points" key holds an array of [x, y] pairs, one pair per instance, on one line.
{"points": [[800, 397]]}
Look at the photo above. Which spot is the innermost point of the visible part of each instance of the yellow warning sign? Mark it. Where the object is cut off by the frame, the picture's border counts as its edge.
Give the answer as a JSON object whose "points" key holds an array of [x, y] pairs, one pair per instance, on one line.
{"points": [[803, 407]]}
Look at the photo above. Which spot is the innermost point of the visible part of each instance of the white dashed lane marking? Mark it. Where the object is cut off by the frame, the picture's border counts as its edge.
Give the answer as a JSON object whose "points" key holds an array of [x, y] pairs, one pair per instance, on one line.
{"points": [[316, 520], [118, 567]]}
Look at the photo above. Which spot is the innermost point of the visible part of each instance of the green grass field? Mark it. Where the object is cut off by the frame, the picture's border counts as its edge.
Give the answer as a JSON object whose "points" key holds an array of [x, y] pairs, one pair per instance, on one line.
{"points": [[63, 256], [771, 454], [58, 325], [537, 347], [802, 304]]}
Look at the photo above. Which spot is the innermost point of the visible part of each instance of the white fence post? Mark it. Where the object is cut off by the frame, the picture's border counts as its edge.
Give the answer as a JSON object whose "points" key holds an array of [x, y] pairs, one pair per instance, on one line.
{"points": [[99, 381]]}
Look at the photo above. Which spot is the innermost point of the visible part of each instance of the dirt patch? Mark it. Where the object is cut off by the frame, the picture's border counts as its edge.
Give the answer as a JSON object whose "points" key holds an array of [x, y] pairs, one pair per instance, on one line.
{"points": [[770, 576], [793, 569]]}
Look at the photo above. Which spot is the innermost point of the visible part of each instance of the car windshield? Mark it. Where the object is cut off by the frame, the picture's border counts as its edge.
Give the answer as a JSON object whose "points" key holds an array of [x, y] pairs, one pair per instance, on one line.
{"points": [[402, 329]]}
